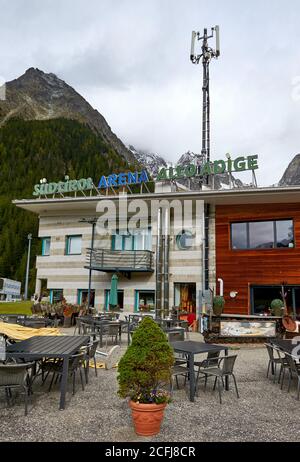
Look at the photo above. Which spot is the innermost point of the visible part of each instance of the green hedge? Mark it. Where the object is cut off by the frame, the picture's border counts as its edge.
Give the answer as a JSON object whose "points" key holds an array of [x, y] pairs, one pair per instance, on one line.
{"points": [[16, 307]]}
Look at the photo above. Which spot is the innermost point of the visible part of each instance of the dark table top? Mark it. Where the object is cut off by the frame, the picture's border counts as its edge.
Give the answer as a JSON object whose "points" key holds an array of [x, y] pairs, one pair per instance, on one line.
{"points": [[107, 321], [287, 345], [47, 346], [173, 330], [189, 346]]}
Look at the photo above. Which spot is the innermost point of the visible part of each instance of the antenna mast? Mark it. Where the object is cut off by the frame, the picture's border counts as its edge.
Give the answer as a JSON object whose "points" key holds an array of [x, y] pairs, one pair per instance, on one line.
{"points": [[207, 54]]}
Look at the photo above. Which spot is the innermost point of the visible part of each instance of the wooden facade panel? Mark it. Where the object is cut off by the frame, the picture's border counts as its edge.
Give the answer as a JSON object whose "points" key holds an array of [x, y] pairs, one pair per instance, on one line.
{"points": [[240, 269]]}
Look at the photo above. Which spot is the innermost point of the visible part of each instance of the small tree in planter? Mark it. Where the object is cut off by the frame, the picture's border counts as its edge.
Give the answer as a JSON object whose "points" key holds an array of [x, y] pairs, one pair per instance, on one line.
{"points": [[143, 369], [218, 305], [277, 306]]}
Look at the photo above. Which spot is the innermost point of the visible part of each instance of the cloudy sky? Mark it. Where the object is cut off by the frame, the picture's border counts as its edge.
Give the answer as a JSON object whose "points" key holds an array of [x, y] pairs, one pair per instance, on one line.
{"points": [[130, 60]]}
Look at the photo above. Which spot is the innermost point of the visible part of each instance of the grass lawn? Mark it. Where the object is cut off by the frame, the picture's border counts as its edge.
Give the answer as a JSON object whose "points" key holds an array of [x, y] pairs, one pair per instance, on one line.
{"points": [[23, 307]]}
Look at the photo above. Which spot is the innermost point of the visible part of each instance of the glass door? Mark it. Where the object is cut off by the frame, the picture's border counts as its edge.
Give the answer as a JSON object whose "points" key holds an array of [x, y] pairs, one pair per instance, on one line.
{"points": [[297, 302]]}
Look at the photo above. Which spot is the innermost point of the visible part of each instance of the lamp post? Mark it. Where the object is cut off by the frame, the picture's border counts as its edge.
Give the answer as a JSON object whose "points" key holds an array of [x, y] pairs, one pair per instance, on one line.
{"points": [[29, 237], [93, 222]]}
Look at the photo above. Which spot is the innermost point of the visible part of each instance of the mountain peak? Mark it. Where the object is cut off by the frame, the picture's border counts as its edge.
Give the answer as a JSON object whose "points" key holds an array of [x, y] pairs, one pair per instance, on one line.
{"points": [[37, 95], [291, 175]]}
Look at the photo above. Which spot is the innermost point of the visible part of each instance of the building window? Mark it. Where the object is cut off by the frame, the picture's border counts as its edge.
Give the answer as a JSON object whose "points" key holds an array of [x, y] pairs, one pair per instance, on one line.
{"points": [[46, 246], [83, 297], [56, 295], [139, 239], [262, 234], [239, 236], [144, 300], [120, 299], [285, 233], [73, 245], [262, 296]]}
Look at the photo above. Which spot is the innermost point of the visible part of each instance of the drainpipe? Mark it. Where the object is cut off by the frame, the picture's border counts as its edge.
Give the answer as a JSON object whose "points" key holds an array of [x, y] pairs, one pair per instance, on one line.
{"points": [[166, 263], [206, 251], [220, 280], [158, 265]]}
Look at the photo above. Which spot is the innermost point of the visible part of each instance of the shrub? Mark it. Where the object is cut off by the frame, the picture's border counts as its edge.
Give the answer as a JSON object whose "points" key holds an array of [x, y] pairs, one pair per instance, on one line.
{"points": [[146, 365], [277, 306], [218, 305]]}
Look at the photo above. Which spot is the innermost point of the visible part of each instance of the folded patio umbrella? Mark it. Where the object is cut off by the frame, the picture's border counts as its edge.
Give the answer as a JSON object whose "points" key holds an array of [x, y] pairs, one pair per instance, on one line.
{"points": [[113, 296], [16, 332]]}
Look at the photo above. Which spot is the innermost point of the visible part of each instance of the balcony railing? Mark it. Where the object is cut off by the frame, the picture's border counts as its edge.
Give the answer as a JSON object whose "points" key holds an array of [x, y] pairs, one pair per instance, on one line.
{"points": [[119, 260]]}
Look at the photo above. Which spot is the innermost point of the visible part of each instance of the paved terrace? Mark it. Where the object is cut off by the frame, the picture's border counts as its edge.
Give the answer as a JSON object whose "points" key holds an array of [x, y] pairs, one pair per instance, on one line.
{"points": [[263, 412]]}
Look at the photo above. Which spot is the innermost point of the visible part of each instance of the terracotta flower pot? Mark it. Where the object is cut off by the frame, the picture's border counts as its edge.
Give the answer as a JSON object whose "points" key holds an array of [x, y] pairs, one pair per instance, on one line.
{"points": [[147, 418]]}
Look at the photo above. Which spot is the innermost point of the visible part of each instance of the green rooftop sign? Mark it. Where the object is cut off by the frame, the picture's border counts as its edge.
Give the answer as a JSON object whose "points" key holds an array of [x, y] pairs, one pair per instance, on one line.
{"points": [[240, 164], [84, 184]]}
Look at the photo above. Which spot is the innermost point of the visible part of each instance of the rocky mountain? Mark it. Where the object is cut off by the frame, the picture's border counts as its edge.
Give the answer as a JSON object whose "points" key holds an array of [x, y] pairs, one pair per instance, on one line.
{"points": [[153, 162], [36, 95], [291, 175]]}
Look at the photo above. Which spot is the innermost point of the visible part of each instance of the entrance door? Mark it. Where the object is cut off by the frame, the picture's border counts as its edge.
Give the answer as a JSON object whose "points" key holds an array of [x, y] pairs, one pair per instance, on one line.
{"points": [[185, 296], [297, 302]]}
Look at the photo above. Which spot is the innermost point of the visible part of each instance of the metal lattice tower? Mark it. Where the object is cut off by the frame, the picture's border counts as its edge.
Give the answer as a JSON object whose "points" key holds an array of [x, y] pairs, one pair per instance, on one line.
{"points": [[206, 55]]}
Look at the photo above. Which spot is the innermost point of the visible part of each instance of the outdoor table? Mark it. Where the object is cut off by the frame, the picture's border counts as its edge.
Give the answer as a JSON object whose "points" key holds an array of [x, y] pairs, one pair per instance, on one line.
{"points": [[191, 348], [174, 333], [288, 346], [49, 347], [173, 322]]}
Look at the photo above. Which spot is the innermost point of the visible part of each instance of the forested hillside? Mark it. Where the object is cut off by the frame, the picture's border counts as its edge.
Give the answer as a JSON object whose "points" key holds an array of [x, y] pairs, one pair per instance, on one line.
{"points": [[29, 151]]}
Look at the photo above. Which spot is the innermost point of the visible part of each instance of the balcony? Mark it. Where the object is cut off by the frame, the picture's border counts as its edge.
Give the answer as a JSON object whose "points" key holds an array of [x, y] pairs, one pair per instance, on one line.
{"points": [[122, 261]]}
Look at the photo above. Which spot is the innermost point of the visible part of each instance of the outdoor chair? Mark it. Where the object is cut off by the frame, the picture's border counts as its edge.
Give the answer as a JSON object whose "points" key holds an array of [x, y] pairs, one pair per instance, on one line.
{"points": [[178, 370], [16, 376], [223, 370], [294, 370], [90, 355], [111, 331], [185, 326], [78, 325], [283, 366], [212, 360], [11, 319], [56, 369], [175, 334], [180, 358], [273, 362], [111, 358], [34, 323], [56, 322], [87, 329]]}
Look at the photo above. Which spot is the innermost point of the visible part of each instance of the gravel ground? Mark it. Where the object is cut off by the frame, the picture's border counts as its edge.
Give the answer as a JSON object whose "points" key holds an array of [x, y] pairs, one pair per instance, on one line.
{"points": [[262, 413]]}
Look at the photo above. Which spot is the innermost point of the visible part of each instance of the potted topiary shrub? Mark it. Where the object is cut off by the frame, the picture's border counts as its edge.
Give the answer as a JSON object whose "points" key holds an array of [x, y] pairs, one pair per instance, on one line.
{"points": [[277, 306], [218, 305], [143, 371]]}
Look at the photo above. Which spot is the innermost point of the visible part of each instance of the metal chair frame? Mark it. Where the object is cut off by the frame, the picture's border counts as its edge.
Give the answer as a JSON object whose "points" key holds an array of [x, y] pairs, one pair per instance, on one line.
{"points": [[224, 369], [13, 376]]}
